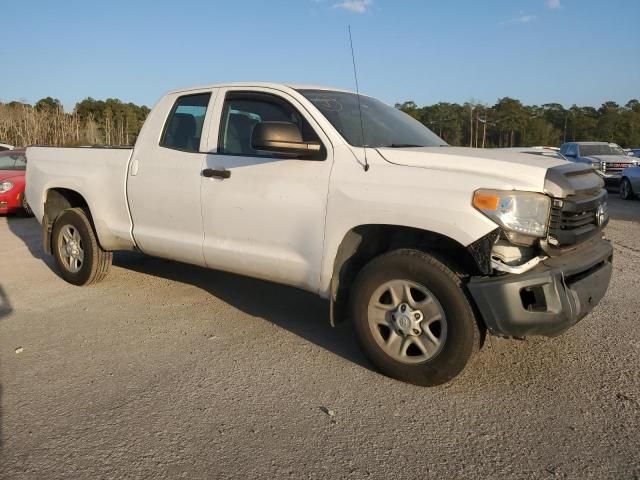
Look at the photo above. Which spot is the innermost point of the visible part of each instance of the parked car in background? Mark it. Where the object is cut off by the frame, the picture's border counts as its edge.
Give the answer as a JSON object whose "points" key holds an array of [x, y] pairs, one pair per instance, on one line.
{"points": [[630, 183], [551, 152], [608, 159], [13, 166], [4, 146], [635, 152]]}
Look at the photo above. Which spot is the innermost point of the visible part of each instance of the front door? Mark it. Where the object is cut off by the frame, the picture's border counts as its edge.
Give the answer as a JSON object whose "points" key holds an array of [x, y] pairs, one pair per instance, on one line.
{"points": [[264, 215]]}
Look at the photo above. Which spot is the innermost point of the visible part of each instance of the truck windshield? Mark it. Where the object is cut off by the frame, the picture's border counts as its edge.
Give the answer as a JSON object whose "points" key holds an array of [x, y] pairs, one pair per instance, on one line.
{"points": [[384, 126], [593, 150]]}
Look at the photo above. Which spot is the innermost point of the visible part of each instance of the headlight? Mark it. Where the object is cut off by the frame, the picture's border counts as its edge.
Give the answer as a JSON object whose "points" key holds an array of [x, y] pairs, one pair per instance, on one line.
{"points": [[6, 186], [524, 213]]}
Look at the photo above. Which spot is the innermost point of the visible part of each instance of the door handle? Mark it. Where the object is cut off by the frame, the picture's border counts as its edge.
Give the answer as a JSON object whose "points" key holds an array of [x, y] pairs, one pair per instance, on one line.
{"points": [[211, 173]]}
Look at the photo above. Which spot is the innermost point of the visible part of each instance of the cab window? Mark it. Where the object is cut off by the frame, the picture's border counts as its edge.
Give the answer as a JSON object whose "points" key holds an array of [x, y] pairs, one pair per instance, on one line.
{"points": [[243, 111], [183, 128], [572, 150]]}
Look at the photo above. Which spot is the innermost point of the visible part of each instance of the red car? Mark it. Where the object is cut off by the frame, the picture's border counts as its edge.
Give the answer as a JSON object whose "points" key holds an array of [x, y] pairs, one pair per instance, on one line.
{"points": [[13, 166]]}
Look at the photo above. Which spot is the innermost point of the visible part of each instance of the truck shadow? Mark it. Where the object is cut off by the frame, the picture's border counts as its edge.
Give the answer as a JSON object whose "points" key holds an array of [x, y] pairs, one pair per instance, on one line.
{"points": [[301, 313], [28, 230], [5, 311]]}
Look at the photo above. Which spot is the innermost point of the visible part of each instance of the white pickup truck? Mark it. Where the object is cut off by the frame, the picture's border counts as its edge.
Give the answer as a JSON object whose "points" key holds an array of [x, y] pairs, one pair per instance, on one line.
{"points": [[423, 246]]}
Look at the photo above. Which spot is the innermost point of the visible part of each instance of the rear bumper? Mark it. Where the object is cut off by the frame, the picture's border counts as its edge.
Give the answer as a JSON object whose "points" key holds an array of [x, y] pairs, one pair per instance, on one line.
{"points": [[549, 298]]}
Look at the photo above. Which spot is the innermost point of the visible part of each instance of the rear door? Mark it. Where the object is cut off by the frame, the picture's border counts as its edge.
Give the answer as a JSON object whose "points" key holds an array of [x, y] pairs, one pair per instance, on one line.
{"points": [[165, 178], [263, 214]]}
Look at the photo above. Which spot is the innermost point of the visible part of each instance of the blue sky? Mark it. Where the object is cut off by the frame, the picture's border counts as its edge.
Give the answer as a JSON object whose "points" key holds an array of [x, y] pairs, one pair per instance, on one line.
{"points": [[540, 51]]}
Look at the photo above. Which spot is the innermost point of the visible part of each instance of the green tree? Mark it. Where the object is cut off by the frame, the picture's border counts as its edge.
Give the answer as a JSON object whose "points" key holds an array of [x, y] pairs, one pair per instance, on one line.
{"points": [[511, 120], [410, 108], [48, 104]]}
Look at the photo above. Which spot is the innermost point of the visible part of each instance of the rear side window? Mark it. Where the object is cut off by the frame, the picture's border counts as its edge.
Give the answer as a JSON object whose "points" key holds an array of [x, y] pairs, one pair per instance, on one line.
{"points": [[184, 125]]}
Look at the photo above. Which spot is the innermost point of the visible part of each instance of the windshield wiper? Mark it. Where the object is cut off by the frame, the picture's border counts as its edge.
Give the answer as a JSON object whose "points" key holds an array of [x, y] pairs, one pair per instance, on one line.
{"points": [[402, 145]]}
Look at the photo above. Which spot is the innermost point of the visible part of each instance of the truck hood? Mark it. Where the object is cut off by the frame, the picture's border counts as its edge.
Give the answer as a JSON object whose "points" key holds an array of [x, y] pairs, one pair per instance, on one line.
{"points": [[520, 170]]}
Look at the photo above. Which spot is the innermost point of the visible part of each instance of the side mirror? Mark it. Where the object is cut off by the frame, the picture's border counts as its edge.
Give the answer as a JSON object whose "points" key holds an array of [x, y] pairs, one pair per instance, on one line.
{"points": [[283, 138], [570, 155]]}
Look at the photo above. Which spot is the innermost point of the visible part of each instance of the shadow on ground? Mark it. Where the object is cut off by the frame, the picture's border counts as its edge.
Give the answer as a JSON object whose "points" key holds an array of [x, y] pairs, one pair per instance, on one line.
{"points": [[299, 312], [28, 230], [302, 313]]}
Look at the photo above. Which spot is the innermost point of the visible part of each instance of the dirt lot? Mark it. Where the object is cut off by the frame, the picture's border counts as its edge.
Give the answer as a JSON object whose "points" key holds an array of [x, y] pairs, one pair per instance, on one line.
{"points": [[168, 371]]}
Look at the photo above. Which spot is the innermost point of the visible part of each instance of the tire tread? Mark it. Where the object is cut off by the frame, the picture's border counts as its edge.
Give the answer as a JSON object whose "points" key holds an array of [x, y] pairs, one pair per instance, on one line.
{"points": [[101, 260]]}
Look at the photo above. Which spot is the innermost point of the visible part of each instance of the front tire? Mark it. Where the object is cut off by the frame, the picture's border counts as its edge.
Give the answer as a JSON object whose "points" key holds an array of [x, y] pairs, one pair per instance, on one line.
{"points": [[78, 254], [413, 319], [26, 209], [626, 189]]}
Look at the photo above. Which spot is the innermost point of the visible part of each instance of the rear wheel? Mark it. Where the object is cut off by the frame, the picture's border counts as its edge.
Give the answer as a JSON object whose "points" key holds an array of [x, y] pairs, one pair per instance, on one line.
{"points": [[626, 190], [413, 319], [75, 247]]}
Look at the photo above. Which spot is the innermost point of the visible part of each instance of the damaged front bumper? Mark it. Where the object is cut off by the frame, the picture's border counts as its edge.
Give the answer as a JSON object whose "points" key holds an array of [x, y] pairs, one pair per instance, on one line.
{"points": [[549, 298]]}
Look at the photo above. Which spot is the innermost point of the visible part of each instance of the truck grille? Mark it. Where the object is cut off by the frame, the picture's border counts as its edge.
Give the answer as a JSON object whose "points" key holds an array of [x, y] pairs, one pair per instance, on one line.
{"points": [[615, 168], [576, 218]]}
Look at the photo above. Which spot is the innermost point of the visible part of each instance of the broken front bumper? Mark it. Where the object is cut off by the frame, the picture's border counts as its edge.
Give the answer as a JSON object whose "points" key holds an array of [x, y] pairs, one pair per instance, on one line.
{"points": [[549, 298]]}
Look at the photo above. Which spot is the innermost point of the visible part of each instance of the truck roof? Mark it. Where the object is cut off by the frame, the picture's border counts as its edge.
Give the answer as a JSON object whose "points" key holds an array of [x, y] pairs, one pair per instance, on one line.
{"points": [[293, 86], [592, 143]]}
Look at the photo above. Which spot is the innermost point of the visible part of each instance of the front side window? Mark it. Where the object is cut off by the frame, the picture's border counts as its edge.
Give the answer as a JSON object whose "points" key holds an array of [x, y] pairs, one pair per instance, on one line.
{"points": [[383, 126], [243, 111], [183, 129]]}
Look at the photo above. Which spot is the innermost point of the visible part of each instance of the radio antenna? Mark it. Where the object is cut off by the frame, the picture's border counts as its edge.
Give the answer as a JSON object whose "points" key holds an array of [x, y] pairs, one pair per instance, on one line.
{"points": [[355, 75]]}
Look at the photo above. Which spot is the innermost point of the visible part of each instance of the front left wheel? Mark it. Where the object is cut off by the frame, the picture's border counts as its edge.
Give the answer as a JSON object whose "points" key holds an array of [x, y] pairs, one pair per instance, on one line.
{"points": [[626, 189], [26, 209], [413, 319], [75, 247]]}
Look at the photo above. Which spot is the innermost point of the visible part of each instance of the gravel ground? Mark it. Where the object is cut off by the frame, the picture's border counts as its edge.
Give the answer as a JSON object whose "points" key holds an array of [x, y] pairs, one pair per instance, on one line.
{"points": [[166, 370]]}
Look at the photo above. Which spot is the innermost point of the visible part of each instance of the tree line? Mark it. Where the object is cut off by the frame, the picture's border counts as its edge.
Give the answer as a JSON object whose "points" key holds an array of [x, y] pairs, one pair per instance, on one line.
{"points": [[92, 122], [509, 123]]}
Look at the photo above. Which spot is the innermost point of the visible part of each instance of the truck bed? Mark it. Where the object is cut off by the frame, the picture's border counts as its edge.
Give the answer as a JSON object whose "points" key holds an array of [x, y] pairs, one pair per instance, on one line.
{"points": [[98, 174]]}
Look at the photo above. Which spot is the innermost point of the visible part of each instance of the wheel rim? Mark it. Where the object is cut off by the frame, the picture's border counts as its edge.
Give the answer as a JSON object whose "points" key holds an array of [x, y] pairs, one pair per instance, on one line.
{"points": [[407, 321], [71, 248], [623, 189]]}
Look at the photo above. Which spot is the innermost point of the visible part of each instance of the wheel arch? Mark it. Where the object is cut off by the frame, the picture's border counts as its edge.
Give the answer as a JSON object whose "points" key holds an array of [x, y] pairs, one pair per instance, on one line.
{"points": [[56, 201], [363, 243]]}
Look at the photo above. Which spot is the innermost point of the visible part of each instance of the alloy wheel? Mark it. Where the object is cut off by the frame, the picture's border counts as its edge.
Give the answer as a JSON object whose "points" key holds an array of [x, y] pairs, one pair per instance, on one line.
{"points": [[407, 321], [71, 248]]}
